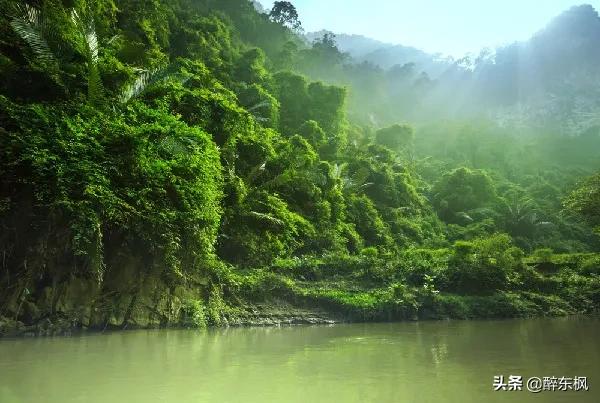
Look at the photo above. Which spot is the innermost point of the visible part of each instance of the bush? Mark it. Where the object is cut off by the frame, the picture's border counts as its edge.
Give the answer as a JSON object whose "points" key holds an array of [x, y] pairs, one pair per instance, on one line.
{"points": [[590, 265], [543, 255], [193, 314], [483, 266]]}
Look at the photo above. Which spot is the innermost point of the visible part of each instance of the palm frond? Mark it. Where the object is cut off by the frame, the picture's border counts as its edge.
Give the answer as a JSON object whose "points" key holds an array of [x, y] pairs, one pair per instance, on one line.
{"points": [[255, 172], [338, 170], [92, 41], [139, 85], [89, 42], [259, 105], [465, 216], [113, 39], [29, 25], [95, 88], [255, 111], [266, 218], [86, 28]]}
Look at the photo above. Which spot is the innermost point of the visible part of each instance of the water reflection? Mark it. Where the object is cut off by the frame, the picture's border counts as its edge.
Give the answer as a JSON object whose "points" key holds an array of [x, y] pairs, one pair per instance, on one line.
{"points": [[451, 361]]}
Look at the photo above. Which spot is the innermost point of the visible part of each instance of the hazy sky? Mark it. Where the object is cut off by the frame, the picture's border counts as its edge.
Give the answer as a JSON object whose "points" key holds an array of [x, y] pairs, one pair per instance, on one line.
{"points": [[452, 27]]}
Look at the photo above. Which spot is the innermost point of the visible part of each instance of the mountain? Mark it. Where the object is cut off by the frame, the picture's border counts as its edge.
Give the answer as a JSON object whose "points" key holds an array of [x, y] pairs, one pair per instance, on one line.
{"points": [[382, 54], [552, 78], [387, 57], [548, 82], [357, 46]]}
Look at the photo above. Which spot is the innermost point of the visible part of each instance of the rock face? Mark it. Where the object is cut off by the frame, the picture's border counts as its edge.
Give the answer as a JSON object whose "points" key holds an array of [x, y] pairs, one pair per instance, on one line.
{"points": [[168, 311], [126, 301]]}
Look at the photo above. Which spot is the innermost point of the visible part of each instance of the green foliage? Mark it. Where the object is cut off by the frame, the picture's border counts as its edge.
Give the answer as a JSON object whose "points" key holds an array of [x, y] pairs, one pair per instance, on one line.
{"points": [[201, 145], [33, 28], [193, 314], [396, 137], [368, 222], [263, 106], [460, 191], [250, 67], [543, 255], [483, 265], [301, 101], [284, 12], [262, 229], [165, 200], [585, 200], [591, 265], [216, 307], [88, 44], [313, 133]]}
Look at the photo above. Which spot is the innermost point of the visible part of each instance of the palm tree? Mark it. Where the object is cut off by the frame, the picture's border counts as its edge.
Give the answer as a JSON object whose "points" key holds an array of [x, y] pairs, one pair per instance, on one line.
{"points": [[519, 214], [34, 28]]}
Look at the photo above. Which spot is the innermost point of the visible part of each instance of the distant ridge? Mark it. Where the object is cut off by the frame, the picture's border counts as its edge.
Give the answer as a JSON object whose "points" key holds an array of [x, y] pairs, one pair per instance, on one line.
{"points": [[382, 54]]}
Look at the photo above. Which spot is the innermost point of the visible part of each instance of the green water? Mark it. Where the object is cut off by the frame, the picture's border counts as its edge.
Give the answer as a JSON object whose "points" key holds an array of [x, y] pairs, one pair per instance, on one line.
{"points": [[453, 361]]}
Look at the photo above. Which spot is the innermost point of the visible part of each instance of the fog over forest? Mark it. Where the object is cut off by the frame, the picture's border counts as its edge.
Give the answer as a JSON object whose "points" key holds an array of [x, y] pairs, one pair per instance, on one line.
{"points": [[547, 82]]}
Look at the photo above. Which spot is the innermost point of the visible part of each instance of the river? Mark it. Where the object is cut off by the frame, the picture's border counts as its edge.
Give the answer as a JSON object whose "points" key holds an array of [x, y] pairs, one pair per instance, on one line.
{"points": [[446, 361]]}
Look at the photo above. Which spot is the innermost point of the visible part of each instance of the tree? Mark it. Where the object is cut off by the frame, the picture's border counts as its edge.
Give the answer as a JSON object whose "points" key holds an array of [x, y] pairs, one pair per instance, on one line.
{"points": [[518, 215], [461, 191], [327, 47], [396, 137], [36, 29], [251, 67], [585, 201], [284, 13], [325, 52]]}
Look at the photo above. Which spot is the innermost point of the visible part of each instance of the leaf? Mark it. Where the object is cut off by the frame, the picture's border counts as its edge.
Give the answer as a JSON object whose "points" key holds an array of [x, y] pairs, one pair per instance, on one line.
{"points": [[464, 215], [29, 25], [139, 85], [267, 218], [85, 25], [87, 32]]}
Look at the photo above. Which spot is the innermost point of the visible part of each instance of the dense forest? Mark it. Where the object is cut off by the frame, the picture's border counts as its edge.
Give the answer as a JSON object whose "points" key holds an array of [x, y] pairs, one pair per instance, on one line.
{"points": [[201, 162]]}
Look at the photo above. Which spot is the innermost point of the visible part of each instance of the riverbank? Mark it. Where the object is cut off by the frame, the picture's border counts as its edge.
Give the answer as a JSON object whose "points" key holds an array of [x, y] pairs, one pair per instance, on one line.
{"points": [[321, 290], [319, 305], [255, 316], [283, 315]]}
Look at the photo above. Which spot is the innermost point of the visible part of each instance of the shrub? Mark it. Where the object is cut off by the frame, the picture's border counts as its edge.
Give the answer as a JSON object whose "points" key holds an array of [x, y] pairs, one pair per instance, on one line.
{"points": [[482, 266], [590, 265], [193, 314]]}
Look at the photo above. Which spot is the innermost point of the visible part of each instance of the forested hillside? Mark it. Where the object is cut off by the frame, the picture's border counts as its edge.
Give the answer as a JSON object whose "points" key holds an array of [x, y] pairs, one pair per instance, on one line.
{"points": [[195, 162], [548, 83]]}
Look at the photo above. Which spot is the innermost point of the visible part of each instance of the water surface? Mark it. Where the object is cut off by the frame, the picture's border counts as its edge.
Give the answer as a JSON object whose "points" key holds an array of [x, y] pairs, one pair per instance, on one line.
{"points": [[449, 361]]}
